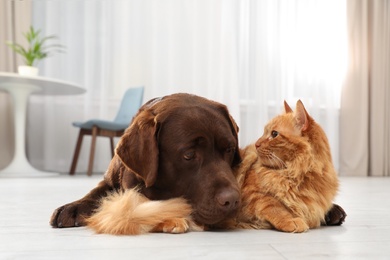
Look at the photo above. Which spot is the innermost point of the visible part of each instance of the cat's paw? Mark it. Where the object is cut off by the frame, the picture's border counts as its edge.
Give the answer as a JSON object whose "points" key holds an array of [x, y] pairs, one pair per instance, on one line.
{"points": [[295, 225], [173, 226]]}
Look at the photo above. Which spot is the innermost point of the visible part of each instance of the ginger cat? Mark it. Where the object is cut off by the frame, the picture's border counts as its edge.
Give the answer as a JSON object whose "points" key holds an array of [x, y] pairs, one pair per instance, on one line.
{"points": [[287, 178]]}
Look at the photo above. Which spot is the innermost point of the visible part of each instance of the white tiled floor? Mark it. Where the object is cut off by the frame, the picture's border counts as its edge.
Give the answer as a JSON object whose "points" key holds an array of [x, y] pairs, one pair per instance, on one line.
{"points": [[27, 203]]}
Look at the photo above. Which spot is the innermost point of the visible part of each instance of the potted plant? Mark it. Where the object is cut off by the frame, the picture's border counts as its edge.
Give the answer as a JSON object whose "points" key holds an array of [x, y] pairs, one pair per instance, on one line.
{"points": [[36, 50]]}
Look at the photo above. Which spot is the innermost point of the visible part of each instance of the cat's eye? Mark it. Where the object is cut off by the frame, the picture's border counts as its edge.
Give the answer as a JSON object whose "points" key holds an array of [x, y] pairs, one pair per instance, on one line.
{"points": [[189, 155], [274, 133]]}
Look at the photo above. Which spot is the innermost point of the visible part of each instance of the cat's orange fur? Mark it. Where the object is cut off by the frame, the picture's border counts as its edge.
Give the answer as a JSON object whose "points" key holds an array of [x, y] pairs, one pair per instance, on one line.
{"points": [[131, 213], [287, 178]]}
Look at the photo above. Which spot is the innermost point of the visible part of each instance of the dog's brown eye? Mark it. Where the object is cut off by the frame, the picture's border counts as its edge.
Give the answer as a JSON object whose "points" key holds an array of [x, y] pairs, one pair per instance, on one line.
{"points": [[189, 155], [230, 150]]}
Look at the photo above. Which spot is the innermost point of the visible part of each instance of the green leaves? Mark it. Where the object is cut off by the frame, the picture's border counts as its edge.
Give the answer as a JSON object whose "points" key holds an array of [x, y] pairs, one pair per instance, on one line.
{"points": [[37, 50]]}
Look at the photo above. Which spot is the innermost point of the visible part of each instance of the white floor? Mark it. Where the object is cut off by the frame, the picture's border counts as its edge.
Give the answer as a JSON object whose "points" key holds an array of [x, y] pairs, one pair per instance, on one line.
{"points": [[27, 203]]}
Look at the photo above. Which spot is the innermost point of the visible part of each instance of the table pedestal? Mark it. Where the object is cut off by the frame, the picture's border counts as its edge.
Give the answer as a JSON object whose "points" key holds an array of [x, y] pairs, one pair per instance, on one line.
{"points": [[20, 167]]}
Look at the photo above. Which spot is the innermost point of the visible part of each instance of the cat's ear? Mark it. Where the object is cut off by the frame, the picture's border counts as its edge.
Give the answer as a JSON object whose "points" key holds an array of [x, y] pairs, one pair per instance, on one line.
{"points": [[301, 116], [287, 108]]}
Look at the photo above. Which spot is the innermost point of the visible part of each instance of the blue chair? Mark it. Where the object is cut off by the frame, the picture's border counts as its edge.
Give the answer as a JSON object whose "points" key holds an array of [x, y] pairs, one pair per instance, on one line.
{"points": [[131, 102]]}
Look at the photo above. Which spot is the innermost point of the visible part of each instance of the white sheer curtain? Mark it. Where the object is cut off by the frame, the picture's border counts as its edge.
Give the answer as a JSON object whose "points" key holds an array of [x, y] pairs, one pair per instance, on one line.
{"points": [[248, 54], [292, 50]]}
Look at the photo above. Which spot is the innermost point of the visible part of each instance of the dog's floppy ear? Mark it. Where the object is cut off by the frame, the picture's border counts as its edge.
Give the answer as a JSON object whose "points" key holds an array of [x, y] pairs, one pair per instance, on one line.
{"points": [[237, 156], [138, 148], [235, 129]]}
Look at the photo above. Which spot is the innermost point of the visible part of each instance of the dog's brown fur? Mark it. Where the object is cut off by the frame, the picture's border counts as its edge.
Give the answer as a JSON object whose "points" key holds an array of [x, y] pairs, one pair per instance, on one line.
{"points": [[179, 146]]}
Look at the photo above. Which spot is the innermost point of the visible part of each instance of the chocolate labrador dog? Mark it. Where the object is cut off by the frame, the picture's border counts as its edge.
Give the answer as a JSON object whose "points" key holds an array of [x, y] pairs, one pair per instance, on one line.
{"points": [[176, 146]]}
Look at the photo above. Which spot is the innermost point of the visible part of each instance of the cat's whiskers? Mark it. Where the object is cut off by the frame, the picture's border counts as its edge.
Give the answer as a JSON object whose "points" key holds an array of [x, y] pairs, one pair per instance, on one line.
{"points": [[278, 162], [274, 161]]}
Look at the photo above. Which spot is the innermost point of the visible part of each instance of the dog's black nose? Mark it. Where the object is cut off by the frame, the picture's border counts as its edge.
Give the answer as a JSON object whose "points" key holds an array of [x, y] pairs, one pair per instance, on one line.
{"points": [[228, 200]]}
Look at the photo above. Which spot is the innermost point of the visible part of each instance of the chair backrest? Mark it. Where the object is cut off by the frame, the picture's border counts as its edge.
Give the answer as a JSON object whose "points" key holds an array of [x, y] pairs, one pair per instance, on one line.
{"points": [[131, 102]]}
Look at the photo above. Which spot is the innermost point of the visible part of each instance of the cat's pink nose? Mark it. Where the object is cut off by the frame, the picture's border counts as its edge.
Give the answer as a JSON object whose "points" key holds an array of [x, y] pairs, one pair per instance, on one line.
{"points": [[260, 141]]}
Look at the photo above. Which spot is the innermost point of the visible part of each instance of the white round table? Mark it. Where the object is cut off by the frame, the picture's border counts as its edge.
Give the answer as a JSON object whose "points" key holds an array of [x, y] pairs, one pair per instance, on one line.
{"points": [[20, 88]]}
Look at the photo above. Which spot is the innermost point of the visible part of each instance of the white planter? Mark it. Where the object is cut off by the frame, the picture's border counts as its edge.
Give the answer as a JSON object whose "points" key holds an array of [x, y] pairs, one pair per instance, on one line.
{"points": [[28, 71]]}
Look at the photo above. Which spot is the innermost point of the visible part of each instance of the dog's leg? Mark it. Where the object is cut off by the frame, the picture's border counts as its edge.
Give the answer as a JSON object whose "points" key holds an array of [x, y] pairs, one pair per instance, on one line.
{"points": [[74, 214]]}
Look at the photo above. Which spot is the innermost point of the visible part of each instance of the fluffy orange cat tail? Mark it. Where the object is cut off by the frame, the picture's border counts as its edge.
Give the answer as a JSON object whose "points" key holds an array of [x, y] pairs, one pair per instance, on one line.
{"points": [[130, 213]]}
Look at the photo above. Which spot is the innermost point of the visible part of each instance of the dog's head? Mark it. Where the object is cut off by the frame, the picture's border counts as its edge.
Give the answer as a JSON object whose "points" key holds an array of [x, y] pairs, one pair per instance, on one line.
{"points": [[185, 146]]}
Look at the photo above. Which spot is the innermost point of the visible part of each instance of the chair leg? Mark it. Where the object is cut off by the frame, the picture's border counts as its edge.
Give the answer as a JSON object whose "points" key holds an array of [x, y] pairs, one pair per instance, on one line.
{"points": [[76, 152], [92, 152], [112, 146]]}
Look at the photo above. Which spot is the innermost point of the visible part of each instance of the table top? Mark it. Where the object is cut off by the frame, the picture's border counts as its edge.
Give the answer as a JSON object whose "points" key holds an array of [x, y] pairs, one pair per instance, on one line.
{"points": [[47, 86]]}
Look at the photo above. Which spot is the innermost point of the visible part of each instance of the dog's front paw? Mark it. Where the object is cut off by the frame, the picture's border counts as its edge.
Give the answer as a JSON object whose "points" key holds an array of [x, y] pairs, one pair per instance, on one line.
{"points": [[335, 216], [72, 214]]}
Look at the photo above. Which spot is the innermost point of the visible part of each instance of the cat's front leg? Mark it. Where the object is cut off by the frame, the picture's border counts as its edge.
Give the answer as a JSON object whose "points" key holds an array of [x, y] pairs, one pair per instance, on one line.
{"points": [[294, 225], [177, 226], [279, 216]]}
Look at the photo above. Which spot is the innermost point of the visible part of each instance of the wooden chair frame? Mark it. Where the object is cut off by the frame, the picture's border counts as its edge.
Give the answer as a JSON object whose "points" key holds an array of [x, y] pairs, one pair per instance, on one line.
{"points": [[94, 132]]}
